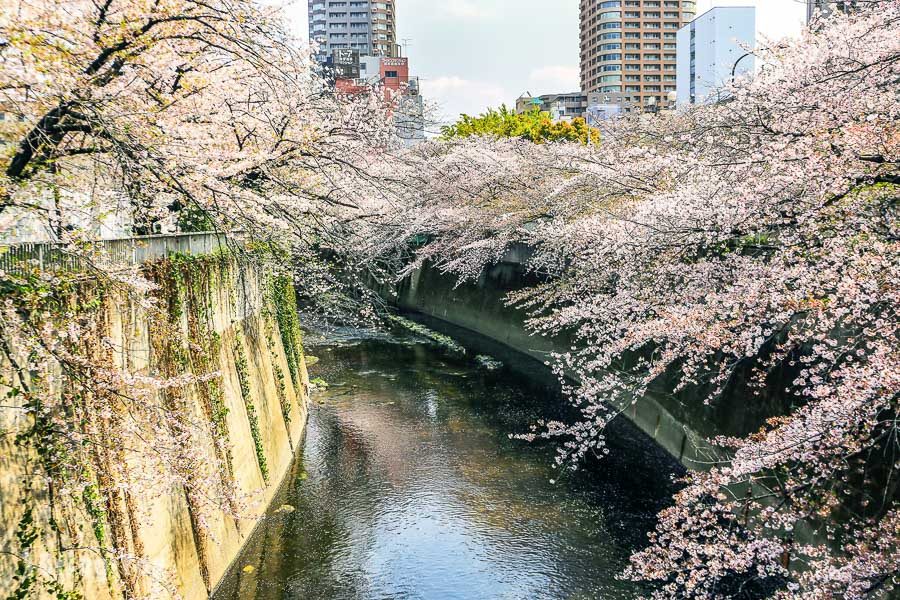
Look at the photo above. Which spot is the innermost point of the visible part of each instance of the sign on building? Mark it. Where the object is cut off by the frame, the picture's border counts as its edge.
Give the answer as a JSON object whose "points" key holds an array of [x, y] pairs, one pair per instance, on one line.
{"points": [[394, 62], [346, 63]]}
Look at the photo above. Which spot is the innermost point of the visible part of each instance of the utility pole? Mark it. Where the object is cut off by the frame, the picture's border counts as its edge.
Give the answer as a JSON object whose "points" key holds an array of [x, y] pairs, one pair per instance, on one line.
{"points": [[406, 42]]}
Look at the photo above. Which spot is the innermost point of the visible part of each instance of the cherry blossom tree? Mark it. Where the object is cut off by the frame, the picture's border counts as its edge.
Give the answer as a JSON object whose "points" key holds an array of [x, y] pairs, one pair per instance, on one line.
{"points": [[202, 113], [177, 104], [744, 252]]}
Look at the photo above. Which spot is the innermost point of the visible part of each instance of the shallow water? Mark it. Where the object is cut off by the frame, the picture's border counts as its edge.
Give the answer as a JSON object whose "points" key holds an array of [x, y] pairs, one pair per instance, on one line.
{"points": [[408, 486]]}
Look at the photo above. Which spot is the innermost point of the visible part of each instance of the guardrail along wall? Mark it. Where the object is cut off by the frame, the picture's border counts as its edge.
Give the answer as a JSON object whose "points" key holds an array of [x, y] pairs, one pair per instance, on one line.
{"points": [[123, 252]]}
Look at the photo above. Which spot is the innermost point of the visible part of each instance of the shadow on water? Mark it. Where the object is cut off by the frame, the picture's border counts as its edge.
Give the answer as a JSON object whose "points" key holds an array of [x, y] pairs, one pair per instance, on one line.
{"points": [[408, 486]]}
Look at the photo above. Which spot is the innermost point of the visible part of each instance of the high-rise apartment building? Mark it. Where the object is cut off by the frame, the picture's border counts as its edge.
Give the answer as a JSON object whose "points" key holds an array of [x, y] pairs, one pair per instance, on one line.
{"points": [[366, 26], [628, 47], [713, 49]]}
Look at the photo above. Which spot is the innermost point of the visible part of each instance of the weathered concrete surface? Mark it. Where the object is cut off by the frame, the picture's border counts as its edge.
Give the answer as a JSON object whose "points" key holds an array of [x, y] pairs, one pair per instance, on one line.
{"points": [[161, 529], [679, 423]]}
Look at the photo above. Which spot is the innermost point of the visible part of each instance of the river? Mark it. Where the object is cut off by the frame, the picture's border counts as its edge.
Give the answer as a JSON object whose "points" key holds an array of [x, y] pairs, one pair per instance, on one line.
{"points": [[409, 486]]}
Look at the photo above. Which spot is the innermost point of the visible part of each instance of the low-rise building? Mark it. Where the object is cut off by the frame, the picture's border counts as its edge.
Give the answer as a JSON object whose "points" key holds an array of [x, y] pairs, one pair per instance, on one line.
{"points": [[409, 116], [561, 107], [51, 214], [603, 107], [712, 50], [401, 92]]}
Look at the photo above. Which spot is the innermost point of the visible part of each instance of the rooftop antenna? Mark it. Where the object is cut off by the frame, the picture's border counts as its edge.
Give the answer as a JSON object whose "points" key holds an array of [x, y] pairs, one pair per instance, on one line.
{"points": [[406, 43]]}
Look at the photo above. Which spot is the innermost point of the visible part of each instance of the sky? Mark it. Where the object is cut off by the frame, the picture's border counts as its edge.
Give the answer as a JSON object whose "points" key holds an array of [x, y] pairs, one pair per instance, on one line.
{"points": [[472, 54]]}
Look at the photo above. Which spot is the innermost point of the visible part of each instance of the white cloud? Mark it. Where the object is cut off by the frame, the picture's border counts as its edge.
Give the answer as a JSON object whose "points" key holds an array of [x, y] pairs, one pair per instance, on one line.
{"points": [[455, 95], [555, 79], [466, 9], [297, 14]]}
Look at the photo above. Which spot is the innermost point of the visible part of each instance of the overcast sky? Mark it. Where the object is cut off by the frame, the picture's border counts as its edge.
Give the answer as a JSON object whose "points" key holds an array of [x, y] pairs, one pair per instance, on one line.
{"points": [[471, 54]]}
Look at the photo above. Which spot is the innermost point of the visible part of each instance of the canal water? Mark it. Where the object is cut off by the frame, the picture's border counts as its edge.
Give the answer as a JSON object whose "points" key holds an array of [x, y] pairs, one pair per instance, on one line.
{"points": [[408, 485]]}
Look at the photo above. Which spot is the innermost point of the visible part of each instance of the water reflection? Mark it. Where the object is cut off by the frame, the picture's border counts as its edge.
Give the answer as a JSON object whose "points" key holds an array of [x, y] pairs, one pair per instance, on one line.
{"points": [[409, 487]]}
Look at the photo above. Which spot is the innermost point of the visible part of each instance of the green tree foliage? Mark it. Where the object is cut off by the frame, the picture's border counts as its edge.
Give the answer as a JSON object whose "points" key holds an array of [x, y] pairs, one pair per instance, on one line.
{"points": [[535, 126]]}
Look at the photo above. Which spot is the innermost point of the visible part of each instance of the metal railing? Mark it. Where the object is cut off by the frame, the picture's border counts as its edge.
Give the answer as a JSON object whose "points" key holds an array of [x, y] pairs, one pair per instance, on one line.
{"points": [[109, 254]]}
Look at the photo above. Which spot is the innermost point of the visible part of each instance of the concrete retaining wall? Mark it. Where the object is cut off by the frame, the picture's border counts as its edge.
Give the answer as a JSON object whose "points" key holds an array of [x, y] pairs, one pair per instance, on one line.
{"points": [[680, 424], [165, 544]]}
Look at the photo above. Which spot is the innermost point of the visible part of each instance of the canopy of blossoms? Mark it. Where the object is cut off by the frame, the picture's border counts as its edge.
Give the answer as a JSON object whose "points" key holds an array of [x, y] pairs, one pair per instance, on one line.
{"points": [[749, 252], [201, 112]]}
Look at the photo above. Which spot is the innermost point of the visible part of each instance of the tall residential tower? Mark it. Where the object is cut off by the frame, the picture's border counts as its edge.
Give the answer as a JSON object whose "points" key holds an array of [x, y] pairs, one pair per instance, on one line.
{"points": [[628, 47], [366, 26]]}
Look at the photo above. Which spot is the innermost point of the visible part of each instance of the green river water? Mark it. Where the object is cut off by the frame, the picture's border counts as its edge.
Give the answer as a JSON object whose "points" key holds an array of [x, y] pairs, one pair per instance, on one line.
{"points": [[408, 485]]}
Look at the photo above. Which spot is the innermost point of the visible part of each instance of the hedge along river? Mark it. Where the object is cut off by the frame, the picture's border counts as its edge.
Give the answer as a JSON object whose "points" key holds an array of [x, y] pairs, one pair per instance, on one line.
{"points": [[409, 486]]}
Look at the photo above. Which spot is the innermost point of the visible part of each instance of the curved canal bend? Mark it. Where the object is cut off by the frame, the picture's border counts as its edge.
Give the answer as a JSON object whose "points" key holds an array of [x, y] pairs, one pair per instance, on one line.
{"points": [[408, 486]]}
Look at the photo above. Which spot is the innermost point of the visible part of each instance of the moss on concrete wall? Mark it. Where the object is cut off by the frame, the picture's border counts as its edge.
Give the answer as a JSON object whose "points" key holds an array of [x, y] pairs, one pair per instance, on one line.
{"points": [[216, 318]]}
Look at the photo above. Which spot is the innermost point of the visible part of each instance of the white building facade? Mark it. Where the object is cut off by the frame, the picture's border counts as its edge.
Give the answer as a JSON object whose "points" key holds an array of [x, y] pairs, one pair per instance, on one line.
{"points": [[711, 50]]}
